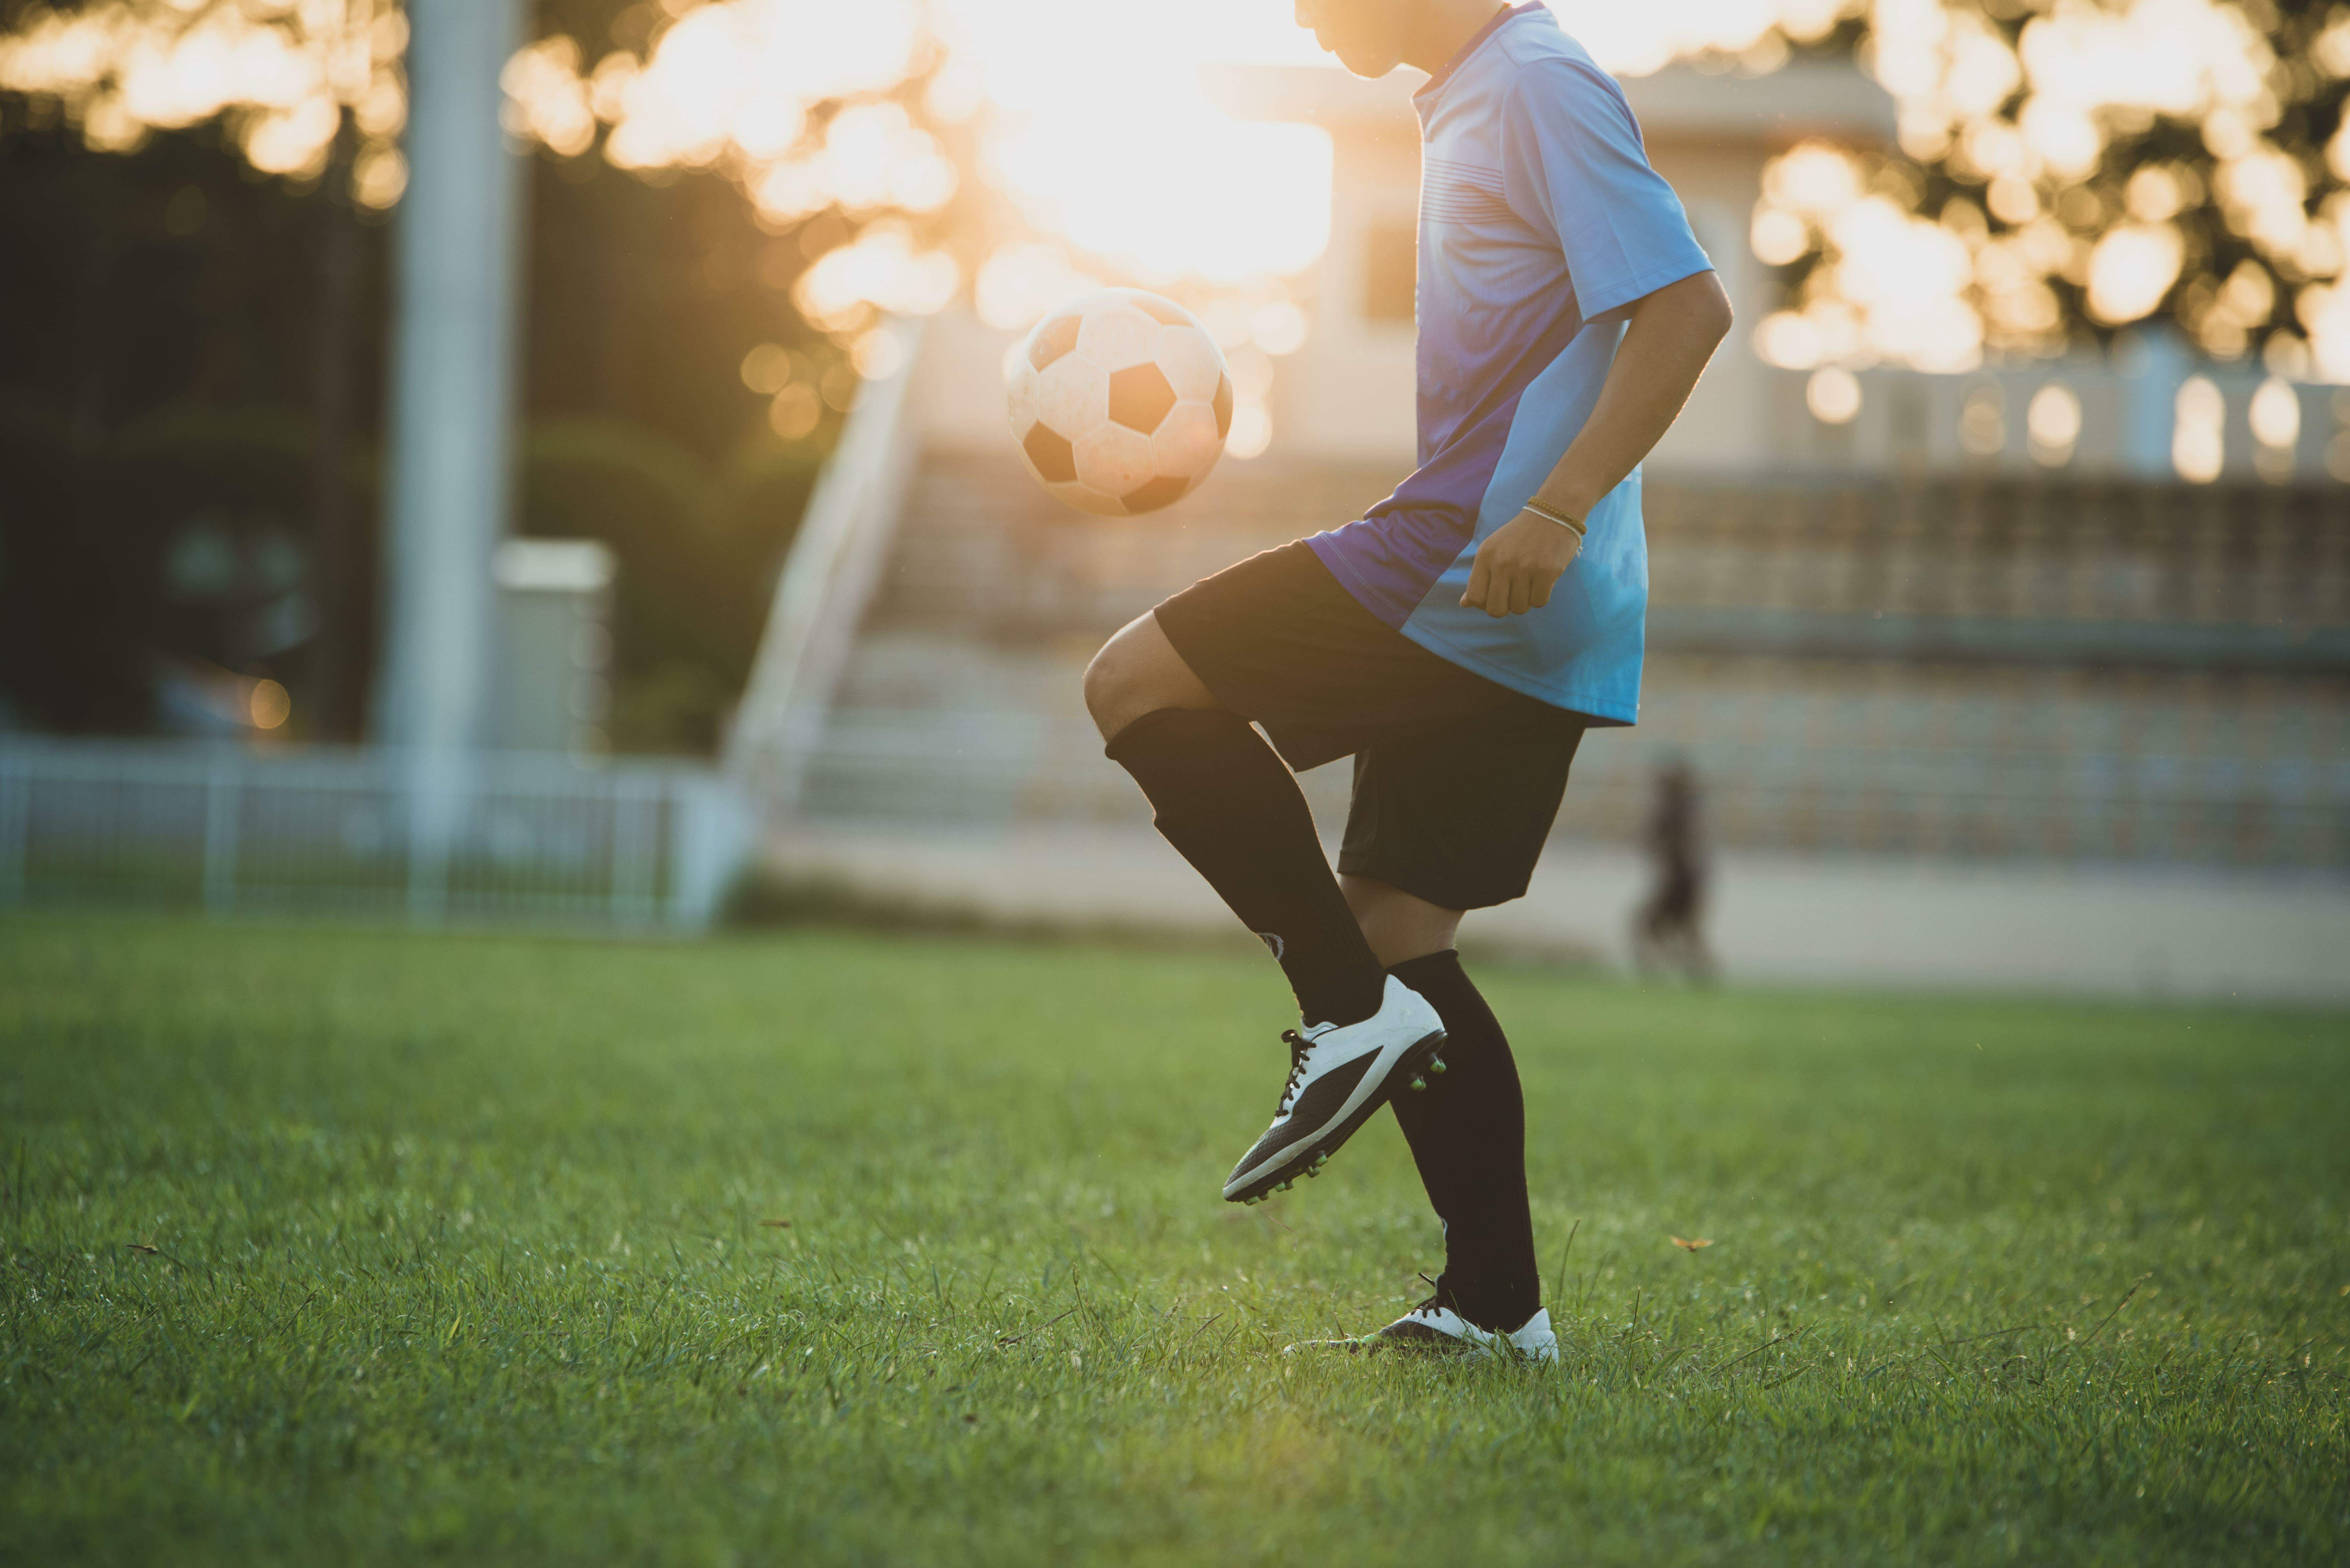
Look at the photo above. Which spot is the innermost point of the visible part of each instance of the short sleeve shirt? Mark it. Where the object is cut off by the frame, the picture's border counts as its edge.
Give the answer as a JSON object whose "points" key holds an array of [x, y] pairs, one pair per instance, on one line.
{"points": [[1541, 223]]}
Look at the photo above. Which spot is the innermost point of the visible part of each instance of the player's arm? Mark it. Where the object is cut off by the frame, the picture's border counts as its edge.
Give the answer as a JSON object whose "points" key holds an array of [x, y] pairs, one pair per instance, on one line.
{"points": [[1668, 339]]}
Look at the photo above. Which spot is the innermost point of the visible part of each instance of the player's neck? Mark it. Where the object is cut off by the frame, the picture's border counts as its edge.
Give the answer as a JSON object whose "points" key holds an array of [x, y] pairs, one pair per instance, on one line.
{"points": [[1444, 28]]}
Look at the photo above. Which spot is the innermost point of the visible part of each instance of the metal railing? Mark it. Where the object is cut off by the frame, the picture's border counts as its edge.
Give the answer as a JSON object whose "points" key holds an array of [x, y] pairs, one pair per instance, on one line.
{"points": [[828, 578], [228, 829], [2132, 420]]}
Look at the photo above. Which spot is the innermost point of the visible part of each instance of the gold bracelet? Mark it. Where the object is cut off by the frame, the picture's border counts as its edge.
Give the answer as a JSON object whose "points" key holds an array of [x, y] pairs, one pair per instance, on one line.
{"points": [[1561, 518]]}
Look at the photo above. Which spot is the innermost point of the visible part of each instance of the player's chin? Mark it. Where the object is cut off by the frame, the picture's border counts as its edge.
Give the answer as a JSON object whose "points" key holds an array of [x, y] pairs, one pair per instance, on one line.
{"points": [[1364, 62]]}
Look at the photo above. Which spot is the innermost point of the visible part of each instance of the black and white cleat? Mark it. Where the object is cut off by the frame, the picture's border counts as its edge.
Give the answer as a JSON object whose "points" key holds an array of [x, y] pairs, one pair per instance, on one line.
{"points": [[1338, 1076], [1434, 1327]]}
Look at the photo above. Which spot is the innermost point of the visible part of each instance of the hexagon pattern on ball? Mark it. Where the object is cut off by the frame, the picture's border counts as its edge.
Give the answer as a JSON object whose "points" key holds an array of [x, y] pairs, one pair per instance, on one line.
{"points": [[1120, 402]]}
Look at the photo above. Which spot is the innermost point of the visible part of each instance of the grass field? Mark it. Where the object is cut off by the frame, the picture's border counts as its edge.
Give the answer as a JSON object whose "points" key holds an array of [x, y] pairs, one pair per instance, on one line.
{"points": [[331, 1246]]}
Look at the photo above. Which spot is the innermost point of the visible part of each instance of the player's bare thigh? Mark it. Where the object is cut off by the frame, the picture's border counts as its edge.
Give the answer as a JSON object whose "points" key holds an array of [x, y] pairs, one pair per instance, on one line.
{"points": [[1399, 926], [1137, 672]]}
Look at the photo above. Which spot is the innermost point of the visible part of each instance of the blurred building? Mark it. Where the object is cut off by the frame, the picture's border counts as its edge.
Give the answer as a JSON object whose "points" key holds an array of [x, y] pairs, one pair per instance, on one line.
{"points": [[552, 686], [1965, 644]]}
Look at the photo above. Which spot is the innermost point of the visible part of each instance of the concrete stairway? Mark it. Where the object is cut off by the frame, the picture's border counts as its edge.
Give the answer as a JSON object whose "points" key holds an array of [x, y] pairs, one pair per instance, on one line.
{"points": [[1993, 670]]}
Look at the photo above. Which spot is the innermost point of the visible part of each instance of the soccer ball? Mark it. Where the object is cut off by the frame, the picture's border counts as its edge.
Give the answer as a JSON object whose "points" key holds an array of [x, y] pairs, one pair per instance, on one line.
{"points": [[1120, 403]]}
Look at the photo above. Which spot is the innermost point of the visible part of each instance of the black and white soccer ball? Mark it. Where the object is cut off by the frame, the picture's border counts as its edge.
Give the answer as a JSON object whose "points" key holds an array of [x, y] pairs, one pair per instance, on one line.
{"points": [[1120, 403]]}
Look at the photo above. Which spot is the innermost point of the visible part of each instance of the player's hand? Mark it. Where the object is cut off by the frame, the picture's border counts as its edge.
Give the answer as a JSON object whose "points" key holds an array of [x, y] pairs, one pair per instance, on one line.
{"points": [[1518, 565]]}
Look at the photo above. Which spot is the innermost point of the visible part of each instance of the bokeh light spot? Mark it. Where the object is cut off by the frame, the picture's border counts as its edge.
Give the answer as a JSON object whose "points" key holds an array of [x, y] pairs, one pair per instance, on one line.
{"points": [[1833, 395]]}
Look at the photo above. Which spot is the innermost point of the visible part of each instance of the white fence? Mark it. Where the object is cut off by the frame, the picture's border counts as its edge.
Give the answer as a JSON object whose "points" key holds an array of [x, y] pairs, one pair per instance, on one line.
{"points": [[229, 828]]}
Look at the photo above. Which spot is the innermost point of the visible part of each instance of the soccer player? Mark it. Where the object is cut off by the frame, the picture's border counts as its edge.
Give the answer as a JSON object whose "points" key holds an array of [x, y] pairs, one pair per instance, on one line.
{"points": [[1456, 641]]}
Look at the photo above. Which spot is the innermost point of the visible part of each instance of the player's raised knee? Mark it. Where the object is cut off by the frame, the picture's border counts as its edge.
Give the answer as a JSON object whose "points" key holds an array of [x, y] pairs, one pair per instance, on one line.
{"points": [[1137, 672], [1103, 683], [1118, 688]]}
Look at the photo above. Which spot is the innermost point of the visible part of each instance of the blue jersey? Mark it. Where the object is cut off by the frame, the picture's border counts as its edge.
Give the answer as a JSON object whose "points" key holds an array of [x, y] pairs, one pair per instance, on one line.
{"points": [[1540, 224]]}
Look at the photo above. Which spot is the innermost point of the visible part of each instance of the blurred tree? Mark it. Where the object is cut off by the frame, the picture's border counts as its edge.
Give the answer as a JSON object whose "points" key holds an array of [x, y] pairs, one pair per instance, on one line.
{"points": [[2066, 170], [155, 390], [199, 188]]}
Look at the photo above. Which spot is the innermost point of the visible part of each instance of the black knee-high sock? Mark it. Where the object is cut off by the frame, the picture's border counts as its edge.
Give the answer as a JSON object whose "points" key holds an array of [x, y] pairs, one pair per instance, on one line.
{"points": [[1231, 807], [1468, 1136]]}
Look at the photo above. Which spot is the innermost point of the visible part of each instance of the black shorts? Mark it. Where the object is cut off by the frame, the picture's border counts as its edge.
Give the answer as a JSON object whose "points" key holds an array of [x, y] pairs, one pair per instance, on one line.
{"points": [[1457, 778]]}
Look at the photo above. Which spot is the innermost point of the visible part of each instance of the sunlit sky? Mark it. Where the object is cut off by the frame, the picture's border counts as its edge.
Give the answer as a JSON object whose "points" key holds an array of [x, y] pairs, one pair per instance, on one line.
{"points": [[1111, 143], [1104, 138]]}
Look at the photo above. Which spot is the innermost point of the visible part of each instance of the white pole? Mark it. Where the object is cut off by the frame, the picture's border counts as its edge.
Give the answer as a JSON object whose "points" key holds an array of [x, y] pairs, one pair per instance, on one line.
{"points": [[2154, 364], [222, 809], [452, 389]]}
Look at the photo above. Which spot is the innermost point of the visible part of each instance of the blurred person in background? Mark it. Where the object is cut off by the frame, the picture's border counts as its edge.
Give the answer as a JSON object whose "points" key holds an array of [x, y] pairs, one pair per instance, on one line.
{"points": [[1669, 927]]}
